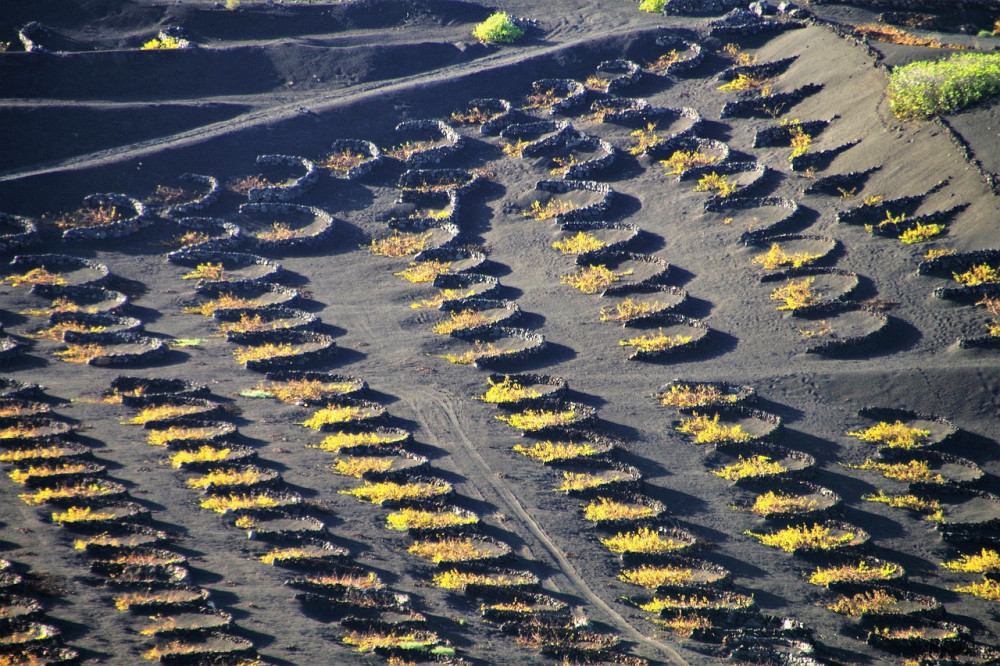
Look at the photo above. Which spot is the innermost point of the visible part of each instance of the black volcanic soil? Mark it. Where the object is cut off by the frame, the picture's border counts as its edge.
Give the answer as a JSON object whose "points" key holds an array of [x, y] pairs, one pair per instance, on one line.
{"points": [[98, 115]]}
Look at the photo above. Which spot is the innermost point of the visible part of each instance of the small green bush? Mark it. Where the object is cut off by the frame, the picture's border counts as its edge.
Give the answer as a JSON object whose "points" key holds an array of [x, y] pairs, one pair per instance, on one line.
{"points": [[499, 28], [925, 89], [652, 6]]}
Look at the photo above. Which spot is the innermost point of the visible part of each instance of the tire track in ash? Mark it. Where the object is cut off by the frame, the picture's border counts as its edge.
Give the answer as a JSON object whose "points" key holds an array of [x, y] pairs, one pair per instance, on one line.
{"points": [[316, 103], [483, 476]]}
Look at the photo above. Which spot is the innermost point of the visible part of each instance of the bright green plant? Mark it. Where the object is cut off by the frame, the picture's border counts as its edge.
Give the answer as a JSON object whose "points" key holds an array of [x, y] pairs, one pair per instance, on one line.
{"points": [[925, 89], [498, 28], [652, 6]]}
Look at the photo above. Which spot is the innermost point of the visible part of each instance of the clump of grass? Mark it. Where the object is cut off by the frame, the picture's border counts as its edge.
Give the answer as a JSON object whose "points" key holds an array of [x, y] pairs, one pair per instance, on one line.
{"points": [[454, 579], [55, 331], [450, 549], [163, 41], [604, 509], [549, 451], [76, 514], [369, 641], [860, 572], [279, 555], [343, 161], [498, 28], [663, 62], [685, 624], [243, 184], [893, 435], [177, 433], [537, 419], [873, 601], [562, 165], [796, 294], [796, 537], [461, 320], [83, 489], [654, 342], [443, 295], [222, 302], [80, 353], [978, 274], [687, 602], [881, 32], [643, 540], [646, 138], [549, 210], [777, 257], [404, 150], [592, 279], [358, 466], [204, 453], [471, 356], [745, 82], [226, 477], [926, 89], [347, 440], [694, 395], [263, 352], [799, 139], [193, 238], [988, 589], [160, 412], [277, 231], [507, 390], [707, 430], [125, 601], [513, 148], [424, 519], [304, 390], [21, 476], [750, 467], [542, 99], [89, 217], [931, 508], [652, 577], [18, 455], [713, 182], [578, 244], [822, 328], [334, 414], [57, 305], [419, 272], [987, 561], [740, 57], [39, 275], [377, 493], [934, 254], [206, 271], [683, 161], [473, 116], [771, 502], [912, 471], [237, 502], [400, 244], [629, 309], [581, 481], [921, 233]]}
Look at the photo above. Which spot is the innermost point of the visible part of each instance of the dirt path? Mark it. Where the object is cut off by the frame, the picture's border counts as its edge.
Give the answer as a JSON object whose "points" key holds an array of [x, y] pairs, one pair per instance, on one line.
{"points": [[314, 103], [436, 413]]}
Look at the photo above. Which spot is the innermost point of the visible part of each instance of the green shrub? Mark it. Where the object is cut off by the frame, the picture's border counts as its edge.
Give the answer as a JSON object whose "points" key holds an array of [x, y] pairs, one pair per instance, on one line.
{"points": [[499, 28], [925, 89], [652, 6]]}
